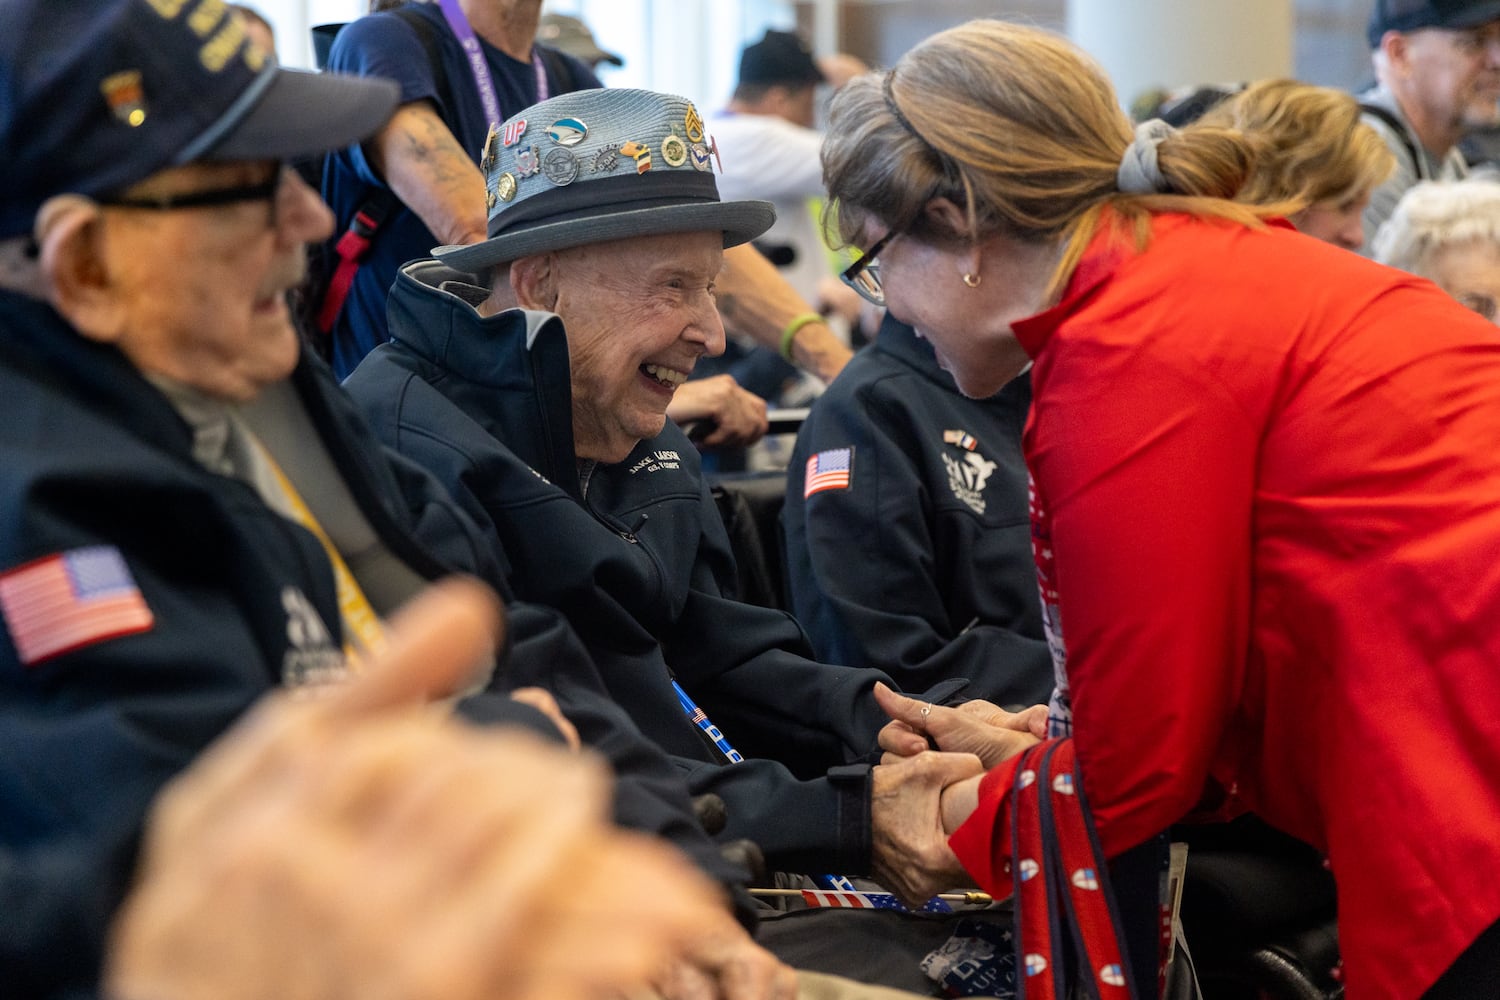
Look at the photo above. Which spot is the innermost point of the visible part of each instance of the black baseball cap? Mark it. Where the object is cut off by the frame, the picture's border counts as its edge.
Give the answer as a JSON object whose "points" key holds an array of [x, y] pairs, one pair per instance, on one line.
{"points": [[96, 95], [1409, 15], [780, 57]]}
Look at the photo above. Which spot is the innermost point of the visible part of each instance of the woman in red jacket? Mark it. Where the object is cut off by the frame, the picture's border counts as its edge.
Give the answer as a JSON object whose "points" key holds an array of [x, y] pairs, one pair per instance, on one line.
{"points": [[1265, 483]]}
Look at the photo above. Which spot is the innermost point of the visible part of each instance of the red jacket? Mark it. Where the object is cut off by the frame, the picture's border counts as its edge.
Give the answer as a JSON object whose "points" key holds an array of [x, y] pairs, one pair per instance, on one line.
{"points": [[1267, 475]]}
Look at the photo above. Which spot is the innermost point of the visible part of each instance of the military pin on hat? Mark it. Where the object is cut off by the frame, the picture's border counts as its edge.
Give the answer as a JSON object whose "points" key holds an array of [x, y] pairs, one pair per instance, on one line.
{"points": [[528, 162], [560, 166], [693, 123], [491, 149], [640, 153], [567, 131], [674, 150], [607, 159], [126, 96]]}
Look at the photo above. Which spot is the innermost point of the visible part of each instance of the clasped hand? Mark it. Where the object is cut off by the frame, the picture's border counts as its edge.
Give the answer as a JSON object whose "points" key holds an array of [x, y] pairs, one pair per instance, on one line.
{"points": [[920, 795]]}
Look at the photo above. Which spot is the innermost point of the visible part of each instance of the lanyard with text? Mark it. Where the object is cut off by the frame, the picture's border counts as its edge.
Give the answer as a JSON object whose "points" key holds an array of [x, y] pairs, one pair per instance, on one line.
{"points": [[1069, 928], [454, 15]]}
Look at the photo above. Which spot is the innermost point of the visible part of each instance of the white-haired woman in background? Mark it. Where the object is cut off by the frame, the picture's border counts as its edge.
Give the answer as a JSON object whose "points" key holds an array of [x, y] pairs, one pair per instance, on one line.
{"points": [[1449, 233]]}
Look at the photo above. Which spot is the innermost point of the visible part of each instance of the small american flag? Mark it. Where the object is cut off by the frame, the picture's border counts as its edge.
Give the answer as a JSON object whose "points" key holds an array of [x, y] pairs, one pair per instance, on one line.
{"points": [[71, 600], [828, 470], [868, 901]]}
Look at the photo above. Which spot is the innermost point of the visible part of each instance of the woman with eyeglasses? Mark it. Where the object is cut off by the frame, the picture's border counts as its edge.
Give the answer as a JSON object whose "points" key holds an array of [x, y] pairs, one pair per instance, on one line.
{"points": [[1264, 477]]}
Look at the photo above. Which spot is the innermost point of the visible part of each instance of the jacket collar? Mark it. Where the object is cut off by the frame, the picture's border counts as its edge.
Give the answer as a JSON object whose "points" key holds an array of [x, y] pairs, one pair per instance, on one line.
{"points": [[902, 343], [516, 360], [432, 312]]}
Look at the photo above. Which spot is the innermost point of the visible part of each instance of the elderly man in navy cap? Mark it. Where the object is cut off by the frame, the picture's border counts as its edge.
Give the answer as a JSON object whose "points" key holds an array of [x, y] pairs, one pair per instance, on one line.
{"points": [[549, 423], [195, 517]]}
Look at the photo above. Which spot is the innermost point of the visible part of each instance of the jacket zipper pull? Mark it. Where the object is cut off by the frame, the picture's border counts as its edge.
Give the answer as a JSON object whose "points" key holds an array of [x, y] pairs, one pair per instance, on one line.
{"points": [[630, 536]]}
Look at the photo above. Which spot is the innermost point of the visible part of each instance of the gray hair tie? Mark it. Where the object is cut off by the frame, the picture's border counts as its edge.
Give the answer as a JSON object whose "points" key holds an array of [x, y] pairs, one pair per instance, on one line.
{"points": [[1139, 172]]}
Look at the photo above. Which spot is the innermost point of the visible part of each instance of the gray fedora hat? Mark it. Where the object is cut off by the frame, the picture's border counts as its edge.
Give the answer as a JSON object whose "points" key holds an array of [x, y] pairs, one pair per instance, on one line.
{"points": [[600, 165]]}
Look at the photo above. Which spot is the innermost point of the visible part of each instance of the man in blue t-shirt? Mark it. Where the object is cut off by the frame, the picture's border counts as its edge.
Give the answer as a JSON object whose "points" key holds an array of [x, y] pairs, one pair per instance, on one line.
{"points": [[428, 154]]}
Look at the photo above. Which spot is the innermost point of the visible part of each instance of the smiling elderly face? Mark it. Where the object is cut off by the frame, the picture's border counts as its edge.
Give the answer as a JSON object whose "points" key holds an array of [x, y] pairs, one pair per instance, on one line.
{"points": [[639, 313]]}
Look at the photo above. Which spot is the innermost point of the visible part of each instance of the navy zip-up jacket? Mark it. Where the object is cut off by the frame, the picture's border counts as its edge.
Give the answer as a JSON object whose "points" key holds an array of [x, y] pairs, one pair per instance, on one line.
{"points": [[921, 566], [640, 564]]}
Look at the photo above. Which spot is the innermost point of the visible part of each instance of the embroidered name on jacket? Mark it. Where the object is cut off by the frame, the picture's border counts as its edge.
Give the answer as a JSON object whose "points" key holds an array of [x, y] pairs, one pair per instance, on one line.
{"points": [[71, 600], [657, 461]]}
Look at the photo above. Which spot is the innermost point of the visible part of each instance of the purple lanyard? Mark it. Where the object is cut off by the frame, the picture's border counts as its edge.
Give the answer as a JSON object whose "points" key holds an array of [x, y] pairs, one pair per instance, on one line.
{"points": [[454, 15]]}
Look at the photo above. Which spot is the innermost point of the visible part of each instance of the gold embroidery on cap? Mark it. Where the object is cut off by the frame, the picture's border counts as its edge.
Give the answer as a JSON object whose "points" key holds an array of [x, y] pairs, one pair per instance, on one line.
{"points": [[207, 17], [168, 8], [221, 48]]}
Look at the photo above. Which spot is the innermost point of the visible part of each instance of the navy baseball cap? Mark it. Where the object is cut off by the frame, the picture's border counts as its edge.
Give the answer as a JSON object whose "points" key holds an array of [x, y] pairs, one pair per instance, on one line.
{"points": [[96, 95], [1409, 15]]}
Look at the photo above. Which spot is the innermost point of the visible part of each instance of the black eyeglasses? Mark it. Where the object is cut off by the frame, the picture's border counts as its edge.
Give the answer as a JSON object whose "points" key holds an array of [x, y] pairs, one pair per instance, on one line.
{"points": [[268, 191], [864, 274]]}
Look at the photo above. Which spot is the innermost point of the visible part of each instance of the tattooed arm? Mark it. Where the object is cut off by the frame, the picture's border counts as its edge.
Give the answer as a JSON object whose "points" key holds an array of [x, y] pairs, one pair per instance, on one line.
{"points": [[430, 172]]}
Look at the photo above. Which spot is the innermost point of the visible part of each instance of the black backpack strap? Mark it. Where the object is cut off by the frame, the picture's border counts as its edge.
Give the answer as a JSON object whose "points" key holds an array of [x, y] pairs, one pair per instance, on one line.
{"points": [[1394, 124]]}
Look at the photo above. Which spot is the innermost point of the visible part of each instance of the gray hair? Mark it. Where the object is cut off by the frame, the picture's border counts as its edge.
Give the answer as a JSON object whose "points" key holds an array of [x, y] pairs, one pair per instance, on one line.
{"points": [[1433, 215]]}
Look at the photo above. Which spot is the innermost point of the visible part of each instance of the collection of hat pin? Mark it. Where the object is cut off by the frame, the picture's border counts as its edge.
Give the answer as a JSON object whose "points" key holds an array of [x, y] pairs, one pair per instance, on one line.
{"points": [[561, 166]]}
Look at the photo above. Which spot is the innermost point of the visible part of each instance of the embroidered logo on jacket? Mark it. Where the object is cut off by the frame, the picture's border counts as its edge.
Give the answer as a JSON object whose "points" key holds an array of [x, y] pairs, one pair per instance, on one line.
{"points": [[969, 472], [71, 600], [311, 657]]}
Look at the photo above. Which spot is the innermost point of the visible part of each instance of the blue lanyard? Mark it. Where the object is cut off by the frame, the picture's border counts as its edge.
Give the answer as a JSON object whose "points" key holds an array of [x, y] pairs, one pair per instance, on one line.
{"points": [[701, 721], [454, 15]]}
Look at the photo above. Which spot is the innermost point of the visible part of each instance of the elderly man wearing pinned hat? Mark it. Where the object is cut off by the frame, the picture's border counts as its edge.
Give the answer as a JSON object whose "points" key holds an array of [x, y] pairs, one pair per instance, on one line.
{"points": [[416, 183], [196, 516], [549, 422]]}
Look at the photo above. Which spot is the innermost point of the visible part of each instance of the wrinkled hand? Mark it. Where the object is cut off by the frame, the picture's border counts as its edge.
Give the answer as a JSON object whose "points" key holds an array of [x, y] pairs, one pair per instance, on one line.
{"points": [[985, 730], [738, 416], [909, 850], [363, 845], [724, 963], [541, 699], [1031, 720]]}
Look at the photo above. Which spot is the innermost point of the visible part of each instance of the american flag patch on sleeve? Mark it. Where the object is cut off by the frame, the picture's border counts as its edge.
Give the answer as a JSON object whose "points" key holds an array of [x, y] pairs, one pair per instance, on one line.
{"points": [[70, 600], [828, 470]]}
